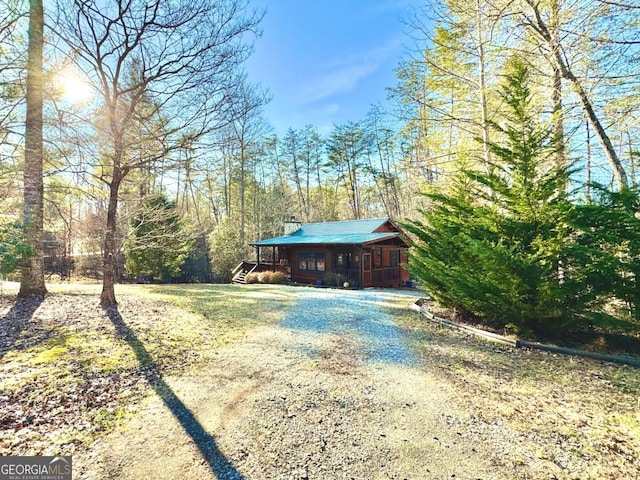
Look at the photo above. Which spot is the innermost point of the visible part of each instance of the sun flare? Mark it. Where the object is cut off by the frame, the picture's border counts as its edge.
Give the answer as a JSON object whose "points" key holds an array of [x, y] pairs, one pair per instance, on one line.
{"points": [[74, 89]]}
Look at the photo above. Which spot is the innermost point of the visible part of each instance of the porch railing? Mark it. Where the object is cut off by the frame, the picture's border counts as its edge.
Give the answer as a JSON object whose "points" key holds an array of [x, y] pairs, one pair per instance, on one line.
{"points": [[385, 275], [350, 274]]}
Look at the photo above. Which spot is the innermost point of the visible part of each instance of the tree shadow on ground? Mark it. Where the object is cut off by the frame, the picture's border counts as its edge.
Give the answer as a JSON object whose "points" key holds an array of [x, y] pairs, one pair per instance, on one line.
{"points": [[220, 466], [14, 322]]}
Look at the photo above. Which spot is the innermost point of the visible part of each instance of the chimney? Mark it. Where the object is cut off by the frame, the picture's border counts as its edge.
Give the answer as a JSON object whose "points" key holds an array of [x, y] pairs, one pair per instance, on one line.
{"points": [[292, 226]]}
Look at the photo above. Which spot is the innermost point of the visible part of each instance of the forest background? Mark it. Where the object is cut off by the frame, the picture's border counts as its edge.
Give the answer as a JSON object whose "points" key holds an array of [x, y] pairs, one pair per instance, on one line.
{"points": [[156, 148]]}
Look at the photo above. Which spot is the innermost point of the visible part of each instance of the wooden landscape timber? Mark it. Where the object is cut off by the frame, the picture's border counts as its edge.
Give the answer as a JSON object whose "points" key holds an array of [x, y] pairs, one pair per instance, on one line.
{"points": [[516, 343]]}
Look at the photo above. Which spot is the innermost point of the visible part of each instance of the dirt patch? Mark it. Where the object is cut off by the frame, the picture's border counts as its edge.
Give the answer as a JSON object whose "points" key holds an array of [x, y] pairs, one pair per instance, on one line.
{"points": [[341, 356]]}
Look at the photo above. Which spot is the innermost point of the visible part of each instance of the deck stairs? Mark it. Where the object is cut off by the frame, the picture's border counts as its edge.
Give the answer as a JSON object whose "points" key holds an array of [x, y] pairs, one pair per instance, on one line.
{"points": [[239, 274]]}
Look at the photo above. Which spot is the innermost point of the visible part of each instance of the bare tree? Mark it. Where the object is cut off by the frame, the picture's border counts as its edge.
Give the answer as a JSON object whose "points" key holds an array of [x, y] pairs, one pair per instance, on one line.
{"points": [[546, 31], [347, 148], [12, 66], [244, 135], [163, 69]]}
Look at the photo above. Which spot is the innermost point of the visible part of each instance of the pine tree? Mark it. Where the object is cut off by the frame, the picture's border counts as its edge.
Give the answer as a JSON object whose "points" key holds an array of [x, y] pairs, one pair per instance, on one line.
{"points": [[607, 246], [158, 245], [496, 246]]}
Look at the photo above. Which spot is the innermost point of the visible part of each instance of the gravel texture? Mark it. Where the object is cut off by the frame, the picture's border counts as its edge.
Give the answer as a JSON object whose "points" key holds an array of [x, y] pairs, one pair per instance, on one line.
{"points": [[330, 388], [333, 392]]}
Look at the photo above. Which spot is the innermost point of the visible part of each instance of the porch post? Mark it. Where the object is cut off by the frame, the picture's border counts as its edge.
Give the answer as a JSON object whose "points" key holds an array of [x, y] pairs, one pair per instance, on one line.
{"points": [[273, 257], [258, 254], [360, 265]]}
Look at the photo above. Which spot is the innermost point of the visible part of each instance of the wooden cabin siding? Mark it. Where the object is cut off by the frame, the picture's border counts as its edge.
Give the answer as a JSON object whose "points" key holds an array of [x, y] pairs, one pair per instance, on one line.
{"points": [[305, 275], [366, 252], [386, 227]]}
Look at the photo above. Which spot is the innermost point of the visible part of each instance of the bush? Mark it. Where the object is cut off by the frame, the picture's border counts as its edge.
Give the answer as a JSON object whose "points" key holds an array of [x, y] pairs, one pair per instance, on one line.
{"points": [[331, 279], [12, 247], [278, 277], [252, 277], [265, 277]]}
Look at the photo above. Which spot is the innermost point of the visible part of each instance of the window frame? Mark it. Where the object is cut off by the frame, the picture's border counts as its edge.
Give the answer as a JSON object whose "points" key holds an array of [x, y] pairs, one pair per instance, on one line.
{"points": [[318, 257], [394, 258]]}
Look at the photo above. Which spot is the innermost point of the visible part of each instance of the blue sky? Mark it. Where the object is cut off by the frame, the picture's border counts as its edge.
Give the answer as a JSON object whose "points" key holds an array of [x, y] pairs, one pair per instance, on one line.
{"points": [[326, 62]]}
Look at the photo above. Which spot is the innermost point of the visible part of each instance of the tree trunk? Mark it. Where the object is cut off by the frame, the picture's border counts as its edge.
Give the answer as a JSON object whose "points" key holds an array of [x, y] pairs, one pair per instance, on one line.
{"points": [[108, 295], [296, 178], [542, 29], [588, 160], [243, 193], [618, 170], [32, 282], [632, 160], [482, 83], [558, 115]]}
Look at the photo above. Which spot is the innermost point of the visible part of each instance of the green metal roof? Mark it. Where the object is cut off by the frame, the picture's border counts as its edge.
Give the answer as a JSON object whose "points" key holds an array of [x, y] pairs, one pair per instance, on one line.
{"points": [[347, 227], [351, 232], [344, 239]]}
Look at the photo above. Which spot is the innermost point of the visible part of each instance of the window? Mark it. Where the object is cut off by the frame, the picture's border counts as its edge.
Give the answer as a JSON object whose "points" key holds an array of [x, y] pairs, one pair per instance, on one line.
{"points": [[346, 260], [395, 258], [311, 261], [377, 257]]}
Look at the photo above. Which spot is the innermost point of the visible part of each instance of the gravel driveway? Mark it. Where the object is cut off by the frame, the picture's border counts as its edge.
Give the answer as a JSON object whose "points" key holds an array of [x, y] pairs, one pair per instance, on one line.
{"points": [[357, 316], [333, 392]]}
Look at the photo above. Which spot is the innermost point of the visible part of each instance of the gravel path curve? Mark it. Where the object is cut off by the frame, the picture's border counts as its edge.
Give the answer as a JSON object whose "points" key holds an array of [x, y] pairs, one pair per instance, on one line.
{"points": [[333, 392]]}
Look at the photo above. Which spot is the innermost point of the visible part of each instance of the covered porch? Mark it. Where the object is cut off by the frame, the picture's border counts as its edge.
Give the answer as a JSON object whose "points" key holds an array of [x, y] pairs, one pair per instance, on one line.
{"points": [[360, 266]]}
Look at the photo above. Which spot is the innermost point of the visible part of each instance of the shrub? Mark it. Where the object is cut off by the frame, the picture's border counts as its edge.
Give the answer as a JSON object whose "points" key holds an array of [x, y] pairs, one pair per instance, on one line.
{"points": [[252, 277], [265, 277], [12, 247], [331, 279], [278, 277]]}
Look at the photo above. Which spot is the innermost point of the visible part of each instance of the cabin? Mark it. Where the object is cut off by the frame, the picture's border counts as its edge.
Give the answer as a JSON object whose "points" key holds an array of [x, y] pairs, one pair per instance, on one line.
{"points": [[362, 253]]}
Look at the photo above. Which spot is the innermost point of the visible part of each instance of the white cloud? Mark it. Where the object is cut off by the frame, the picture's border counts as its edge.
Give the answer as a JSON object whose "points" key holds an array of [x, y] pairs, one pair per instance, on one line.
{"points": [[335, 82], [343, 75]]}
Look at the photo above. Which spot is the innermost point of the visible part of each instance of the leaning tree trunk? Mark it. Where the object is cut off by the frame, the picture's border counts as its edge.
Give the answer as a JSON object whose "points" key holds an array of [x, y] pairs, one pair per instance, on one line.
{"points": [[558, 114], [32, 282], [482, 83], [108, 295], [543, 30]]}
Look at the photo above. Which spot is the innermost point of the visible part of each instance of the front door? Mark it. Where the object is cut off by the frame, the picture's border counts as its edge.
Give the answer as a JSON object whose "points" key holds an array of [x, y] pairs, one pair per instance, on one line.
{"points": [[366, 269]]}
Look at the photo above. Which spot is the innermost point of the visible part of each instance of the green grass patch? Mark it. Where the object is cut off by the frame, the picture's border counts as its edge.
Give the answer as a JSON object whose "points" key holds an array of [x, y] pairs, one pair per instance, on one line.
{"points": [[69, 376]]}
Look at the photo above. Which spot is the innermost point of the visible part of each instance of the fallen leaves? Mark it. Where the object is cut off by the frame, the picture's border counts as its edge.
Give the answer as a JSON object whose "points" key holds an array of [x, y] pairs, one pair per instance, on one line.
{"points": [[577, 414], [67, 376]]}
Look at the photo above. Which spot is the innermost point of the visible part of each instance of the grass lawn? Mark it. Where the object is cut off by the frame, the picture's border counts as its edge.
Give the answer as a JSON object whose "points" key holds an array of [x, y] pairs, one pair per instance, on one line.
{"points": [[560, 408], [68, 374]]}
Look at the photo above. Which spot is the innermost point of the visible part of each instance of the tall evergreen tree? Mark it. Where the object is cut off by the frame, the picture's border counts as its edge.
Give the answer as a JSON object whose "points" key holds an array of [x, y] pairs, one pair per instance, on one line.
{"points": [[158, 245], [495, 248]]}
